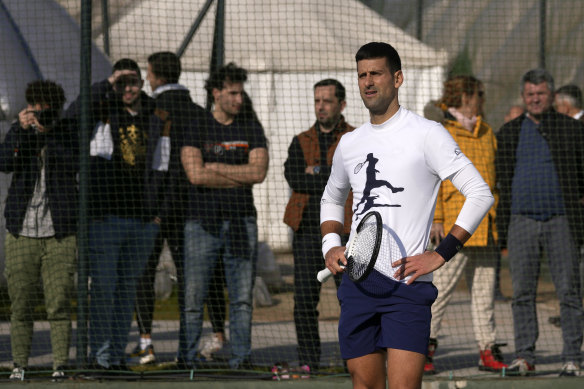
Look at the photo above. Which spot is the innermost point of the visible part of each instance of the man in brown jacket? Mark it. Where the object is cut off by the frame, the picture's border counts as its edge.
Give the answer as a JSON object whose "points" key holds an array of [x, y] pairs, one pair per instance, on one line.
{"points": [[307, 170]]}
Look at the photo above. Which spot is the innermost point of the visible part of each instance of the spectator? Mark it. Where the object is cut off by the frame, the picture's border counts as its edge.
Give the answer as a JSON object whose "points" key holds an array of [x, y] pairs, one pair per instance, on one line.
{"points": [[384, 335], [216, 296], [568, 101], [462, 106], [307, 170], [540, 174], [41, 151], [222, 160], [175, 108], [125, 206]]}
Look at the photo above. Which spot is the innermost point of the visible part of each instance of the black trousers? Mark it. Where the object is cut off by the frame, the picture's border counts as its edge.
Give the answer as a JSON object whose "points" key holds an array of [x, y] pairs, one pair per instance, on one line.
{"points": [[308, 261], [145, 296]]}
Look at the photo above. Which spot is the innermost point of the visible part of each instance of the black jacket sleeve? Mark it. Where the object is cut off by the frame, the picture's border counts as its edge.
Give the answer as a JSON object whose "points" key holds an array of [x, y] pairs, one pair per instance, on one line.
{"points": [[19, 146], [298, 179]]}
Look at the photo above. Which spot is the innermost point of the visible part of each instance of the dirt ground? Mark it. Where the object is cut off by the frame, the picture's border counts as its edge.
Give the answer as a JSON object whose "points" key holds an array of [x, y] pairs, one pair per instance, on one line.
{"points": [[283, 307]]}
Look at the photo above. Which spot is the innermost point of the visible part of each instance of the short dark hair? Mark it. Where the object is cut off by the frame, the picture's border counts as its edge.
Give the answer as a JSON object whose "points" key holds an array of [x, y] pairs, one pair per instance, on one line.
{"points": [[45, 92], [572, 93], [373, 50], [166, 65], [536, 77], [230, 73], [127, 64], [340, 93]]}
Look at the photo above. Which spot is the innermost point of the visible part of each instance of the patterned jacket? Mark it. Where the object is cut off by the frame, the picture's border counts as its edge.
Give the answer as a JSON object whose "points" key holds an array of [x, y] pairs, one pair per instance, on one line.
{"points": [[302, 188], [480, 147]]}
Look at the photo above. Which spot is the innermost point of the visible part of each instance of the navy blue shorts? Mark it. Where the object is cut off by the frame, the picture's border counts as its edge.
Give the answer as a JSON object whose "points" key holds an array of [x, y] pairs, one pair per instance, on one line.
{"points": [[395, 316]]}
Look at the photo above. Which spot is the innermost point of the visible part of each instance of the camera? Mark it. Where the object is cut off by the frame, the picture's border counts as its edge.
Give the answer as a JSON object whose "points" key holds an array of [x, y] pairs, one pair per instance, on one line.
{"points": [[47, 117]]}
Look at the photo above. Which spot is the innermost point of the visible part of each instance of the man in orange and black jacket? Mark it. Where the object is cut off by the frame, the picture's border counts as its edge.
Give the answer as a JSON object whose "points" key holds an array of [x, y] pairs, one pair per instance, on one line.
{"points": [[307, 170]]}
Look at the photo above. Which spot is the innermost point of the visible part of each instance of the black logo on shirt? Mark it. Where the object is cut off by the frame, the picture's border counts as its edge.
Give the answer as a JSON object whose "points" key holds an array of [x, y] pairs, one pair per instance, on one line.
{"points": [[368, 200]]}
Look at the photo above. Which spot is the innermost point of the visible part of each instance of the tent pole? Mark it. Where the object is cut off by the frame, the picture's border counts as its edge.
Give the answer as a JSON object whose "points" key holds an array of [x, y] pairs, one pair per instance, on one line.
{"points": [[218, 54], [106, 26], [542, 32], [193, 29], [419, 17], [85, 128]]}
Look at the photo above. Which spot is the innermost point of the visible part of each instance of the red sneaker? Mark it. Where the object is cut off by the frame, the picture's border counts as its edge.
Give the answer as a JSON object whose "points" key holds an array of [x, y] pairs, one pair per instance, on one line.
{"points": [[429, 368], [491, 359]]}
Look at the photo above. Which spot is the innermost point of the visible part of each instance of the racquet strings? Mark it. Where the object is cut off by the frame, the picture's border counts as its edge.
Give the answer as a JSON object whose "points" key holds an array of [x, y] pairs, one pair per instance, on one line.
{"points": [[362, 249]]}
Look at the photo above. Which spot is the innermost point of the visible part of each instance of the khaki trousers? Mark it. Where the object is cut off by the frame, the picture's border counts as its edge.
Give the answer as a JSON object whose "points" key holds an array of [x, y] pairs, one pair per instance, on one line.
{"points": [[479, 266], [51, 263]]}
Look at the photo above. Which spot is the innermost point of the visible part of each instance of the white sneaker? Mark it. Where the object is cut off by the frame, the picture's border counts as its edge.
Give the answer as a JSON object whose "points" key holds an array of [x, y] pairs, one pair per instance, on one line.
{"points": [[145, 355], [521, 366], [211, 345], [58, 375], [17, 374], [570, 369]]}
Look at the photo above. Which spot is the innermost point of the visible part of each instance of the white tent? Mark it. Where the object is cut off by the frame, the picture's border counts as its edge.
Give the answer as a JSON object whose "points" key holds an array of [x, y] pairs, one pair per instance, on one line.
{"points": [[286, 47], [38, 40]]}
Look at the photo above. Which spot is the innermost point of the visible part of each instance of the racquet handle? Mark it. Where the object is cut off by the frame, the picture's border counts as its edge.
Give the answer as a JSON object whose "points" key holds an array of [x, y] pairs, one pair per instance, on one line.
{"points": [[324, 275]]}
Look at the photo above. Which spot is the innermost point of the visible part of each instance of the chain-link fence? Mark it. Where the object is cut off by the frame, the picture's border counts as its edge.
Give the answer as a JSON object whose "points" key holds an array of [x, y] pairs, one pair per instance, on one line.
{"points": [[161, 208]]}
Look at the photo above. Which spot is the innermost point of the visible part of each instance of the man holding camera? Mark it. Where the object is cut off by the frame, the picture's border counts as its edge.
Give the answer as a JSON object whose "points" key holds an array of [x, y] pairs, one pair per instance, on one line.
{"points": [[41, 152]]}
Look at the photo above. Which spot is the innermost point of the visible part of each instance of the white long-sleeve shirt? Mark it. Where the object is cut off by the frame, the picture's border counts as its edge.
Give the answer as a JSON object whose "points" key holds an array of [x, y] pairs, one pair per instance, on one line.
{"points": [[396, 168]]}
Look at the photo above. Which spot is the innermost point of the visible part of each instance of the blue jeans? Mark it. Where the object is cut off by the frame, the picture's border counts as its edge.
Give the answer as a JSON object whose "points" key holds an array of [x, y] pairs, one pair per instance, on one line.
{"points": [[202, 251], [526, 237], [118, 251]]}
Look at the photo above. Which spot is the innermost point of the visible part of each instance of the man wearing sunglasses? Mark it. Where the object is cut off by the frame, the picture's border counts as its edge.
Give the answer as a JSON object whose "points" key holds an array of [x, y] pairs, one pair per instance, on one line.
{"points": [[125, 206]]}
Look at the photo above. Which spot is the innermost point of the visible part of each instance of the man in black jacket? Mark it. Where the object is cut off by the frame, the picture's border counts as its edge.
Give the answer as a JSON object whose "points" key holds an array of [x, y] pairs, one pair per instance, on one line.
{"points": [[176, 110], [307, 170], [126, 205], [41, 152], [540, 173]]}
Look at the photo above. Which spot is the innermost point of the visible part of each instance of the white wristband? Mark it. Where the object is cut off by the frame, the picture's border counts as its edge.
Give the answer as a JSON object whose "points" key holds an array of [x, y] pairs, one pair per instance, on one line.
{"points": [[329, 241]]}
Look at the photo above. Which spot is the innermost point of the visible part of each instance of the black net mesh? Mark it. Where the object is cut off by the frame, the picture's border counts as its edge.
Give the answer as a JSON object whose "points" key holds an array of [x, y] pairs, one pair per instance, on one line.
{"points": [[199, 243]]}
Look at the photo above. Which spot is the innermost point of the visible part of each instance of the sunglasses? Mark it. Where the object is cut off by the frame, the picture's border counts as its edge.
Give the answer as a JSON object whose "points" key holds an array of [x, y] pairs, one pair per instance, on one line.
{"points": [[122, 82]]}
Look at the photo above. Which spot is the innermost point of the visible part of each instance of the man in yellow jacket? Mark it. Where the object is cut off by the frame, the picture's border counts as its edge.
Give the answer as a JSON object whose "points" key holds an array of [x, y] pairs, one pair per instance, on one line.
{"points": [[461, 106]]}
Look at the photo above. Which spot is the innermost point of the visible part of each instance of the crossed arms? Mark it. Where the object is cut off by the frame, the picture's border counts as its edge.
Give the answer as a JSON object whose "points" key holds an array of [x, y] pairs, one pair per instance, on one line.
{"points": [[221, 175]]}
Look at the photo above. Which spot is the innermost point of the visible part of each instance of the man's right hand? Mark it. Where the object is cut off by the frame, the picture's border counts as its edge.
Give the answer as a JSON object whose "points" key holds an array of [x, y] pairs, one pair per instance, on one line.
{"points": [[334, 258], [120, 73], [27, 119]]}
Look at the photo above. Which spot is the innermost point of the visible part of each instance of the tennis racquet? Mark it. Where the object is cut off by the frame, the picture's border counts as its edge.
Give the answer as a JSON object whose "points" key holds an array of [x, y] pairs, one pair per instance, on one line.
{"points": [[362, 250]]}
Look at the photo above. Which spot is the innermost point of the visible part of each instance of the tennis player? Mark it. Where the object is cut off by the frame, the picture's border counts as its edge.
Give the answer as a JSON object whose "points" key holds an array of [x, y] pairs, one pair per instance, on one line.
{"points": [[394, 164]]}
